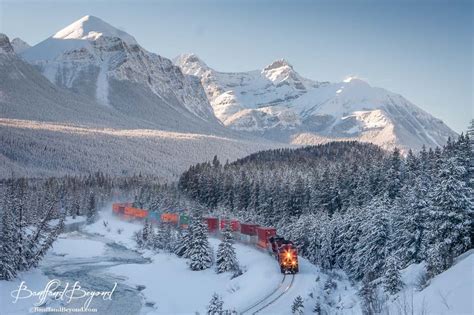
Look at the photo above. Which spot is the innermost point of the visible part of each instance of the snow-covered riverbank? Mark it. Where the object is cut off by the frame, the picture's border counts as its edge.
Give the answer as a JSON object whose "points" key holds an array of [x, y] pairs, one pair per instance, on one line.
{"points": [[174, 289], [161, 283]]}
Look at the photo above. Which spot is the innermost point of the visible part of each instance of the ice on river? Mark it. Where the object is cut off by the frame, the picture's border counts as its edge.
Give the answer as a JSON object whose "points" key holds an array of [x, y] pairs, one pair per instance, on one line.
{"points": [[77, 248]]}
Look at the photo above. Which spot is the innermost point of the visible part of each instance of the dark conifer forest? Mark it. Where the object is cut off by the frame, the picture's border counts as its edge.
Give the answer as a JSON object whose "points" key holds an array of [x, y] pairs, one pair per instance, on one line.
{"points": [[351, 205]]}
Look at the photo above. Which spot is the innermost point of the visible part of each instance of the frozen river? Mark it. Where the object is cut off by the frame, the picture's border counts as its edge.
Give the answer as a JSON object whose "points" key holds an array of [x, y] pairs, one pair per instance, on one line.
{"points": [[88, 264]]}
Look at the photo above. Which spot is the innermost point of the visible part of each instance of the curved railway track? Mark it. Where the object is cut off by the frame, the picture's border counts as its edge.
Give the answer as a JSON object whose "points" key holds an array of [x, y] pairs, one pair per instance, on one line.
{"points": [[285, 284]]}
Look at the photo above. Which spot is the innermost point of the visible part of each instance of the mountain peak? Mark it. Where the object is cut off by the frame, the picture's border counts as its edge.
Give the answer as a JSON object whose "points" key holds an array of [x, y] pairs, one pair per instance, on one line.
{"points": [[191, 64], [91, 28], [5, 45], [19, 45], [281, 71], [191, 58], [280, 63]]}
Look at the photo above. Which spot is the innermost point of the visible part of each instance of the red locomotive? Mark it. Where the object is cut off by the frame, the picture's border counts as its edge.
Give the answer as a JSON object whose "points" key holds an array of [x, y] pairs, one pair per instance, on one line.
{"points": [[286, 253], [266, 238]]}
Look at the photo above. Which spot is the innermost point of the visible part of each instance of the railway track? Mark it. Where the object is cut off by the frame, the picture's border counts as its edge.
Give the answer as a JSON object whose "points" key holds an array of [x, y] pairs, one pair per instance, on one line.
{"points": [[285, 284]]}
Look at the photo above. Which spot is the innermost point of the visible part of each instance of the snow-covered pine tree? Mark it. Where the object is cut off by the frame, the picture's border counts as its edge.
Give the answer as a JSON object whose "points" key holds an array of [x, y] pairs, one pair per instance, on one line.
{"points": [[317, 308], [14, 203], [162, 238], [392, 281], [145, 237], [147, 233], [297, 307], [215, 306], [315, 237], [42, 233], [226, 257], [450, 216], [368, 294], [327, 255], [156, 240], [8, 253], [200, 251], [183, 244], [394, 175], [372, 247], [435, 259], [47, 241], [91, 211], [409, 219]]}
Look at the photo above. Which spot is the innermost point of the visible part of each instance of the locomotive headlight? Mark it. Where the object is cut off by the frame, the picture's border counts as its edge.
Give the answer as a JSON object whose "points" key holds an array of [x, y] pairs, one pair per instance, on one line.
{"points": [[293, 262], [288, 254]]}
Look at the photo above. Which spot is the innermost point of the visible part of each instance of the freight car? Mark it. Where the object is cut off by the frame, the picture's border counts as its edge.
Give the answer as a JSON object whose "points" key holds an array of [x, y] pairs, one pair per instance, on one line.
{"points": [[266, 238], [127, 211], [284, 251]]}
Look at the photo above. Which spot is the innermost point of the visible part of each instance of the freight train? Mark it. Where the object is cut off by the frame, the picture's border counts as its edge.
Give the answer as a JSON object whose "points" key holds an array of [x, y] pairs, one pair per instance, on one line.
{"points": [[265, 238]]}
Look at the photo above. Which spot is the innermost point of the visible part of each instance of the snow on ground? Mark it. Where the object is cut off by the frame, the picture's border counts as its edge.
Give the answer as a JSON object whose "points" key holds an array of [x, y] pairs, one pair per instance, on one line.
{"points": [[449, 293], [77, 248], [102, 91], [174, 288], [118, 230], [35, 281], [311, 284]]}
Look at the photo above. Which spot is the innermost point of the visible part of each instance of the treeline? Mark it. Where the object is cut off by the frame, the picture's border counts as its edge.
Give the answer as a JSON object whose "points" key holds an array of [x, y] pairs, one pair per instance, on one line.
{"points": [[351, 205], [33, 213]]}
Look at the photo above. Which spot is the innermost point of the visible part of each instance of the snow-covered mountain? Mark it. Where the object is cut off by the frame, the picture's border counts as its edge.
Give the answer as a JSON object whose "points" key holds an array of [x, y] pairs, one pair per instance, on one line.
{"points": [[26, 94], [93, 59], [47, 130], [93, 73], [280, 104]]}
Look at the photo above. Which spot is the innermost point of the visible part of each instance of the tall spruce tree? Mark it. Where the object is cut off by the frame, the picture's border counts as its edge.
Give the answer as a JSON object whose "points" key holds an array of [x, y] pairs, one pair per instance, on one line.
{"points": [[392, 281], [200, 252], [183, 244], [216, 305], [8, 253], [450, 215], [297, 307], [226, 257]]}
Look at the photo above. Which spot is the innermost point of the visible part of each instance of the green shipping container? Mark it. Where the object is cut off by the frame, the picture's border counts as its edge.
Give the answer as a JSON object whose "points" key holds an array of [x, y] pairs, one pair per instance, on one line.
{"points": [[183, 219]]}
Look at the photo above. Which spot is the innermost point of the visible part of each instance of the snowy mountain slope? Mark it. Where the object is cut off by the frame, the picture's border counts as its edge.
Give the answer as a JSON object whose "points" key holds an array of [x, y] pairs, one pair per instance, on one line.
{"points": [[280, 104], [33, 148], [230, 93], [47, 130], [26, 94], [449, 293], [93, 59]]}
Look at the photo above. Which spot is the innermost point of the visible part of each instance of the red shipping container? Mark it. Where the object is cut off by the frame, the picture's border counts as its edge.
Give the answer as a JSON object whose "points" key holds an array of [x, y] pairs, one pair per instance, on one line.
{"points": [[234, 224], [119, 208], [136, 212], [170, 218], [248, 229], [212, 224], [264, 233]]}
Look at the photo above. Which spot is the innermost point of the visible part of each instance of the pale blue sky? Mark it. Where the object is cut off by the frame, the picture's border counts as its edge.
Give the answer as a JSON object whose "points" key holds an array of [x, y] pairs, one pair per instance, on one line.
{"points": [[420, 49]]}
